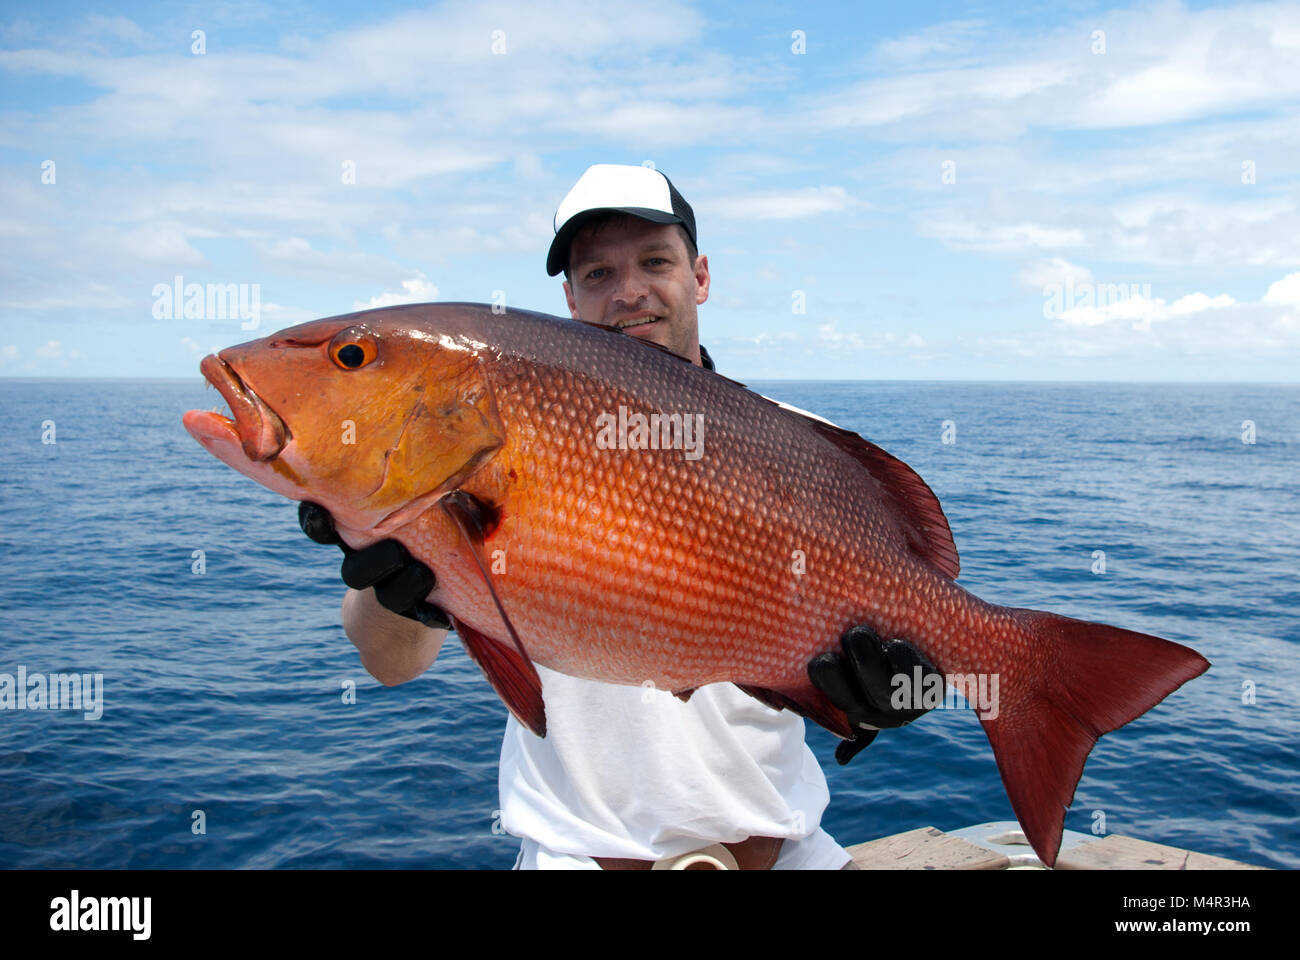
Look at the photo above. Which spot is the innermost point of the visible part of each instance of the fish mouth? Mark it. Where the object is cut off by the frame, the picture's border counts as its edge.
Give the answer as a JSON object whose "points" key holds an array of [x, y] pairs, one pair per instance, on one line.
{"points": [[259, 429]]}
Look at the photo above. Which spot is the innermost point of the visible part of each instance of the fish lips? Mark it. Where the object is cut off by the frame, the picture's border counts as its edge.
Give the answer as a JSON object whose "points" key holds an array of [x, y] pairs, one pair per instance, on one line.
{"points": [[261, 432]]}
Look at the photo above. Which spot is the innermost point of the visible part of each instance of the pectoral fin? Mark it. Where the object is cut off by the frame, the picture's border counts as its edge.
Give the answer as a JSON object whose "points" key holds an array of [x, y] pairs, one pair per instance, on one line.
{"points": [[513, 677], [510, 671]]}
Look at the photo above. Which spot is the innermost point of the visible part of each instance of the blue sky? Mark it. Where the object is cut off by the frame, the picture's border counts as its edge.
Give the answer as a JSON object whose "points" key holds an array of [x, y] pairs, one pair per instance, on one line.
{"points": [[960, 191]]}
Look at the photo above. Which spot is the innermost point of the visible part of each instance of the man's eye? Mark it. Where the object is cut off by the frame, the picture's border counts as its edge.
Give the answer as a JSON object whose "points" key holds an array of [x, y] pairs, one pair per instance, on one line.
{"points": [[595, 274], [656, 261]]}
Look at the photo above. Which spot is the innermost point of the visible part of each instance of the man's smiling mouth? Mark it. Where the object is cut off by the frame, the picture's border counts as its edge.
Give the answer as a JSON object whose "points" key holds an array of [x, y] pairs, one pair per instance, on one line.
{"points": [[638, 323]]}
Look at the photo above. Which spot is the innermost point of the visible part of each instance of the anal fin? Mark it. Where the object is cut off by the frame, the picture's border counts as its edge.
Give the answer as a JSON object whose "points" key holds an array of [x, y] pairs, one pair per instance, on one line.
{"points": [[807, 701]]}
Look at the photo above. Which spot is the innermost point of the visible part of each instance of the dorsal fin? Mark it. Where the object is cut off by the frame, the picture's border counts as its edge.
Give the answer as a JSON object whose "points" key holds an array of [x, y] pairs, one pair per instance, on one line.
{"points": [[925, 525], [922, 519]]}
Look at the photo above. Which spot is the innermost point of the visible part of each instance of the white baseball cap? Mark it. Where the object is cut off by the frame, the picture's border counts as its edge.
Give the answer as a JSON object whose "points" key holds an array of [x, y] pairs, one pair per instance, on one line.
{"points": [[616, 188]]}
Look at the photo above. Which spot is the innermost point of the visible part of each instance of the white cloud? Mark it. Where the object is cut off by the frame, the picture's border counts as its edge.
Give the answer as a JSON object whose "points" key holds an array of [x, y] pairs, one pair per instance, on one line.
{"points": [[461, 153], [1210, 61], [1137, 308], [1140, 310], [528, 165], [157, 243], [1054, 272], [415, 290], [93, 297], [1196, 302], [118, 28], [766, 339], [298, 256], [888, 342], [1285, 292], [1205, 62], [1163, 228], [952, 37], [478, 229], [780, 204], [1193, 324], [1002, 237], [1150, 334], [51, 350], [277, 315]]}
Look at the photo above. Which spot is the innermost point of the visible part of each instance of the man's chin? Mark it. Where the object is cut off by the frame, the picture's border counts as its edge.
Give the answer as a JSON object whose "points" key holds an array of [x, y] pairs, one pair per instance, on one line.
{"points": [[656, 332], [661, 338]]}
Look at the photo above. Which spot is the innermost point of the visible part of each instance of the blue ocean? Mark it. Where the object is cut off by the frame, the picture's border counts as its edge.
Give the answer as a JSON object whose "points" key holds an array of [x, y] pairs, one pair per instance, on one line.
{"points": [[237, 727]]}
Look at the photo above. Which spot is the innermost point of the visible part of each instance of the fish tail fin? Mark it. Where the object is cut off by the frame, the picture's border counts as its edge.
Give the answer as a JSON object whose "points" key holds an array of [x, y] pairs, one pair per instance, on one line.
{"points": [[1096, 678]]}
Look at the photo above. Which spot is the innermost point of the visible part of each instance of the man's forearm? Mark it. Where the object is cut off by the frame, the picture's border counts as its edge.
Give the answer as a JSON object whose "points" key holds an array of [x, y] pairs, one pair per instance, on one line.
{"points": [[393, 648]]}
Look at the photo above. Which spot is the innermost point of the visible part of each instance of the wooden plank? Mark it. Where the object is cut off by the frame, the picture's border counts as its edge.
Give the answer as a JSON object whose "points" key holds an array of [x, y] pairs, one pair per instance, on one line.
{"points": [[1125, 853], [925, 848]]}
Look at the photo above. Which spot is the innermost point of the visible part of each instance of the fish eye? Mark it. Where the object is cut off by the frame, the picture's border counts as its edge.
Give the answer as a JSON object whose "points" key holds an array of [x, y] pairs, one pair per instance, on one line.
{"points": [[352, 349]]}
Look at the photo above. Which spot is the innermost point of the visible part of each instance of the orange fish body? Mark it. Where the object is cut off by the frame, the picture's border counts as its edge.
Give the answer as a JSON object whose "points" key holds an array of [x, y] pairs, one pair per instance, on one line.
{"points": [[597, 505]]}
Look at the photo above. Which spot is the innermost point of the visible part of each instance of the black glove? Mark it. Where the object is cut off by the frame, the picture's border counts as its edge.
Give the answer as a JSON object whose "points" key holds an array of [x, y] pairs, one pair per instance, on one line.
{"points": [[858, 682], [401, 582]]}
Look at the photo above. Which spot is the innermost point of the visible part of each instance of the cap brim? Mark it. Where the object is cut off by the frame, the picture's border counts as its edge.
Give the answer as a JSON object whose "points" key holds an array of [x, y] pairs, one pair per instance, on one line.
{"points": [[558, 256]]}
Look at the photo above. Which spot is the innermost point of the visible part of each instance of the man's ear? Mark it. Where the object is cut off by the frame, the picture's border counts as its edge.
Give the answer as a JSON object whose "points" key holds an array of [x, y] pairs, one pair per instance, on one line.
{"points": [[568, 297], [701, 279]]}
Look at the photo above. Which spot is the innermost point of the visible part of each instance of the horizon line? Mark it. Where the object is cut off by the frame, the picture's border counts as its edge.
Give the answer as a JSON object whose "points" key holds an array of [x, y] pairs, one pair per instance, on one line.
{"points": [[1257, 383]]}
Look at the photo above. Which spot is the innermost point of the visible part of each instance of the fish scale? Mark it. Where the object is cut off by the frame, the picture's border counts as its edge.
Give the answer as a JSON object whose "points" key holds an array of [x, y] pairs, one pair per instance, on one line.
{"points": [[735, 578], [477, 448]]}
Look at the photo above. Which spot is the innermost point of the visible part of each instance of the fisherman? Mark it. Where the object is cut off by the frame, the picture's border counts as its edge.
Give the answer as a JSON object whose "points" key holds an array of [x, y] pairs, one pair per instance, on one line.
{"points": [[630, 776]]}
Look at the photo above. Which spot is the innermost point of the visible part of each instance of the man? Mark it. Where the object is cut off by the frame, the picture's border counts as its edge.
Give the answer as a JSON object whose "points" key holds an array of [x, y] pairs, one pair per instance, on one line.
{"points": [[627, 777]]}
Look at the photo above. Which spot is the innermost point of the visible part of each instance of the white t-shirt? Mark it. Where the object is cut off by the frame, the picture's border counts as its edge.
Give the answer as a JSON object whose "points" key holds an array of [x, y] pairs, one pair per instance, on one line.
{"points": [[634, 772]]}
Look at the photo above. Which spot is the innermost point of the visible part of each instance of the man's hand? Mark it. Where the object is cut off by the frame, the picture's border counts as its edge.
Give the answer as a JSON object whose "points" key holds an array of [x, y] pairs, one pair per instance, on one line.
{"points": [[858, 681], [401, 582]]}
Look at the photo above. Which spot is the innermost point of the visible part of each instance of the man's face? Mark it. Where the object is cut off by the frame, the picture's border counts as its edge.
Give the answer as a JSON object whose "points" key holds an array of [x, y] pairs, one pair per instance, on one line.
{"points": [[638, 276]]}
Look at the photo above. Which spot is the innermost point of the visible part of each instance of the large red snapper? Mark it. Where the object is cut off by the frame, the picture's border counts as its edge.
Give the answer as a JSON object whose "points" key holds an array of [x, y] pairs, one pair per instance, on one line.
{"points": [[507, 451]]}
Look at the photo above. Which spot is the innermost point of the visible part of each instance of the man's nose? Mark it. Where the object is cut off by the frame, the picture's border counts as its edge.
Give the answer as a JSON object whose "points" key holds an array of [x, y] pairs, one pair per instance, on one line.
{"points": [[630, 287]]}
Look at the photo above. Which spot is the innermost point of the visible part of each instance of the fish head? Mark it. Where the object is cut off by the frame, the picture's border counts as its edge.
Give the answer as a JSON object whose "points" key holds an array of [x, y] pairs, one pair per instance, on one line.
{"points": [[371, 415]]}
